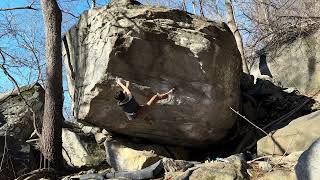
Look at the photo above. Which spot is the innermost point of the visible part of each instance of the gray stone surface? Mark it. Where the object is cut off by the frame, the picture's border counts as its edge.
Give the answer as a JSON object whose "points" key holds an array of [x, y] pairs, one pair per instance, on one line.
{"points": [[15, 117], [308, 166], [81, 150], [16, 125], [123, 155], [295, 64], [296, 136], [171, 165], [155, 49], [279, 174], [233, 169]]}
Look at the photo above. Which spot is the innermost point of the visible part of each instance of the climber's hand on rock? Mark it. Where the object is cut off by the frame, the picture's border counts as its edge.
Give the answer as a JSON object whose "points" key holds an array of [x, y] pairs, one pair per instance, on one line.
{"points": [[127, 84], [118, 81], [172, 90]]}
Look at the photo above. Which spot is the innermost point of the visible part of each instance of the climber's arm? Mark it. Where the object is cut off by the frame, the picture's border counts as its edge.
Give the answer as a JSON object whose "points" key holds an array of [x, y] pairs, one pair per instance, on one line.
{"points": [[159, 97], [124, 87], [127, 84]]}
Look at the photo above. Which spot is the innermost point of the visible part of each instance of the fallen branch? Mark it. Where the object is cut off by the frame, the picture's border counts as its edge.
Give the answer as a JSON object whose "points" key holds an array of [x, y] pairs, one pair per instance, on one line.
{"points": [[13, 170], [264, 132], [250, 122], [285, 153], [256, 159]]}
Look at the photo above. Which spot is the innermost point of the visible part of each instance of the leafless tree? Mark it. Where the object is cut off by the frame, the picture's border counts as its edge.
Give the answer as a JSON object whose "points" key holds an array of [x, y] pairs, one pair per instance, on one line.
{"points": [[201, 7], [274, 22], [233, 27], [93, 4], [184, 5], [194, 7], [51, 140]]}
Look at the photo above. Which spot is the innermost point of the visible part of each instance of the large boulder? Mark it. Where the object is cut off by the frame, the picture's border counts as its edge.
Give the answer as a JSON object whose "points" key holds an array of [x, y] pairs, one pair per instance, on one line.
{"points": [[156, 49], [292, 64], [297, 136], [16, 126]]}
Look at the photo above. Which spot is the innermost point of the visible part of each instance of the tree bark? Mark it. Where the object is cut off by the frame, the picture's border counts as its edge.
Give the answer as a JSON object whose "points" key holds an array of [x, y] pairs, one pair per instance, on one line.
{"points": [[51, 140], [94, 4], [201, 8], [184, 6], [233, 27], [194, 7]]}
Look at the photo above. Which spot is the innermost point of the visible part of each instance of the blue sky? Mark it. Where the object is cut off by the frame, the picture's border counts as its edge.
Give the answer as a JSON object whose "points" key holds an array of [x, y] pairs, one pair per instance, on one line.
{"points": [[30, 23]]}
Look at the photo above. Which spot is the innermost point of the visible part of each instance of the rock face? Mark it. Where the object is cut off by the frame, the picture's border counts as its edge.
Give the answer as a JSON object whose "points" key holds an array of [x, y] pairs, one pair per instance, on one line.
{"points": [[16, 125], [125, 156], [155, 49], [278, 174], [297, 136], [295, 64], [233, 168], [15, 117], [81, 150], [308, 166]]}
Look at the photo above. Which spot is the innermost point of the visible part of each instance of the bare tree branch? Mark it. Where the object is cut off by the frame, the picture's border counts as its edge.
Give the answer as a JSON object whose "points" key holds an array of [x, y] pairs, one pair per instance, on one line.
{"points": [[28, 7], [19, 93], [264, 132]]}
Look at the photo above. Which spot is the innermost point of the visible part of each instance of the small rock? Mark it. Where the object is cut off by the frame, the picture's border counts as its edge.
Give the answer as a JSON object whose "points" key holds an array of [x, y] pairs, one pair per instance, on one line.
{"points": [[124, 158], [234, 170], [264, 166], [171, 165]]}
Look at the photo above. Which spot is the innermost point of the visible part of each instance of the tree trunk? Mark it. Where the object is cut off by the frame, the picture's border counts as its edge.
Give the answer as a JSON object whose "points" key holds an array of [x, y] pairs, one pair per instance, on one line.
{"points": [[184, 6], [233, 27], [201, 8], [94, 4], [51, 140], [194, 7]]}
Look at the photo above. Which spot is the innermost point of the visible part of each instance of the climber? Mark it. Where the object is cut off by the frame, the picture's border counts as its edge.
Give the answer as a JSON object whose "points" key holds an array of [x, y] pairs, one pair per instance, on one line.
{"points": [[130, 106]]}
